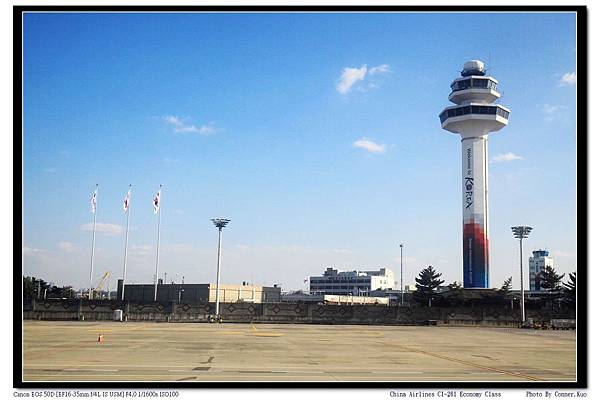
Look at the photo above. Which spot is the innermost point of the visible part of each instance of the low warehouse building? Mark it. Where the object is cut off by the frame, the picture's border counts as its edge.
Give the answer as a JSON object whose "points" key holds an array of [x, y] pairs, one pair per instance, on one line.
{"points": [[199, 292]]}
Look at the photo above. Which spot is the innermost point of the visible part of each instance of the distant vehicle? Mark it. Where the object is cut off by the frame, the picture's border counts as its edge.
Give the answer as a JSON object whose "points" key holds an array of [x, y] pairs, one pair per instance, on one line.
{"points": [[562, 324]]}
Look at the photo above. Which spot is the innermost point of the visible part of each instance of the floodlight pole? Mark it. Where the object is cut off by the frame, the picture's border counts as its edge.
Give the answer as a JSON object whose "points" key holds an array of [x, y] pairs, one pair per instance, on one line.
{"points": [[401, 278], [521, 232], [521, 274], [220, 223]]}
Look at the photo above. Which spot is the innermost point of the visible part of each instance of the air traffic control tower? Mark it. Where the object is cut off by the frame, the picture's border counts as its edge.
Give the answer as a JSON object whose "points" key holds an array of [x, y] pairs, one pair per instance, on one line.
{"points": [[473, 117]]}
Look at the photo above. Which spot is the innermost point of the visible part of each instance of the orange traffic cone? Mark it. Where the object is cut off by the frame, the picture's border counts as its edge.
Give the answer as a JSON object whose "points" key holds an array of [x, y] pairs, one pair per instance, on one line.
{"points": [[100, 338]]}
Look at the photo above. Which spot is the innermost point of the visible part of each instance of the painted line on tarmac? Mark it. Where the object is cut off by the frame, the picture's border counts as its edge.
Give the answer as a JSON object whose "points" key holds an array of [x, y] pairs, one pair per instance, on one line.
{"points": [[472, 364], [485, 373], [266, 334], [89, 370], [110, 365], [263, 333], [295, 372], [397, 372]]}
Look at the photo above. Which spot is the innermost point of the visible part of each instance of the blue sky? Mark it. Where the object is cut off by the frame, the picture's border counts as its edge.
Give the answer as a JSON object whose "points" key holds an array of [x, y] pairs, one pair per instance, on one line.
{"points": [[317, 134]]}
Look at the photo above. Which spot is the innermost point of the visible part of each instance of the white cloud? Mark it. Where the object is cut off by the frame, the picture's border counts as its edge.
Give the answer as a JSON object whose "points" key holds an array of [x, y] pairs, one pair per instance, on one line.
{"points": [[570, 78], [173, 120], [369, 145], [103, 228], [180, 126], [171, 160], [341, 251], [67, 247], [552, 113], [31, 250], [380, 69], [140, 250], [349, 77], [506, 157]]}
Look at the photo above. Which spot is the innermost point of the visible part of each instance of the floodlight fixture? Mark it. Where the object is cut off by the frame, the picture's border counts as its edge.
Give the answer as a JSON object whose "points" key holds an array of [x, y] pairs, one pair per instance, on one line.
{"points": [[220, 222], [521, 232]]}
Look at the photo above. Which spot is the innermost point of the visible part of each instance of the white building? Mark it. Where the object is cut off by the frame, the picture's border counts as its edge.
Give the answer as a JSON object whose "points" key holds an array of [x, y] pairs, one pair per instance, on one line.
{"points": [[355, 282], [539, 262]]}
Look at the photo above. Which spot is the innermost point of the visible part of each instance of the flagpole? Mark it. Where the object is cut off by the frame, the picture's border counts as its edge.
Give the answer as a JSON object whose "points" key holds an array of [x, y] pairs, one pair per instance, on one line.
{"points": [[93, 242], [157, 248], [126, 242]]}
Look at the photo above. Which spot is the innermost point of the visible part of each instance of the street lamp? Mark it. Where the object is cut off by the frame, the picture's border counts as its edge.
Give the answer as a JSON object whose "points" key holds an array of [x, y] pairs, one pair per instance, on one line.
{"points": [[521, 232], [401, 278], [220, 223]]}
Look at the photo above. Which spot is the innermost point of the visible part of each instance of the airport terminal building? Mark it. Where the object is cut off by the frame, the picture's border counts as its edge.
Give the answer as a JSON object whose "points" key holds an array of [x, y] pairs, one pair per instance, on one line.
{"points": [[337, 282]]}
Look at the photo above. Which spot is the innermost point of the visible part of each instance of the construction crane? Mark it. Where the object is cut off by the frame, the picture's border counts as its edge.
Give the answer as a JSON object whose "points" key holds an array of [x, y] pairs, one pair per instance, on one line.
{"points": [[100, 286]]}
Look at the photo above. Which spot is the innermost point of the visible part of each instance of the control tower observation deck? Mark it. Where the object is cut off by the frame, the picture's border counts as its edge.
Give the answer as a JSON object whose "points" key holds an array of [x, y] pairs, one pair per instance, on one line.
{"points": [[473, 116]]}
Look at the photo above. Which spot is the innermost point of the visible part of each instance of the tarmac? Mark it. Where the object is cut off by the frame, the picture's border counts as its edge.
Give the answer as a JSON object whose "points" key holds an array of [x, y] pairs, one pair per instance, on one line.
{"points": [[196, 352]]}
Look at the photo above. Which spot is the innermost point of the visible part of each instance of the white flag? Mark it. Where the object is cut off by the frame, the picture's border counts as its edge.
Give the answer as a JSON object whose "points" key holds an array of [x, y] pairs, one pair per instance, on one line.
{"points": [[93, 201], [157, 201], [126, 201]]}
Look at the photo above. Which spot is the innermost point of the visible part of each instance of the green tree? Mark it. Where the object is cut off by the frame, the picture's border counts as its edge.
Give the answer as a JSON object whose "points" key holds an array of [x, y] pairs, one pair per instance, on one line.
{"points": [[28, 287], [504, 289], [34, 287], [455, 295], [427, 282], [454, 286], [570, 290], [551, 282], [506, 285]]}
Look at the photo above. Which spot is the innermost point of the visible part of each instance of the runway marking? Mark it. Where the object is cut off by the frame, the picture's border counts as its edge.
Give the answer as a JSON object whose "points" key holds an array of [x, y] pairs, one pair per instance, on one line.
{"points": [[89, 370], [485, 373], [262, 333], [472, 364], [295, 372], [396, 372], [267, 334], [111, 365]]}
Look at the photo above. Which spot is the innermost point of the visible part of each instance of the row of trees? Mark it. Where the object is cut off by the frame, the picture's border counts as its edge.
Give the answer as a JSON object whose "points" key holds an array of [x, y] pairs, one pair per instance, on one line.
{"points": [[429, 280], [36, 288]]}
